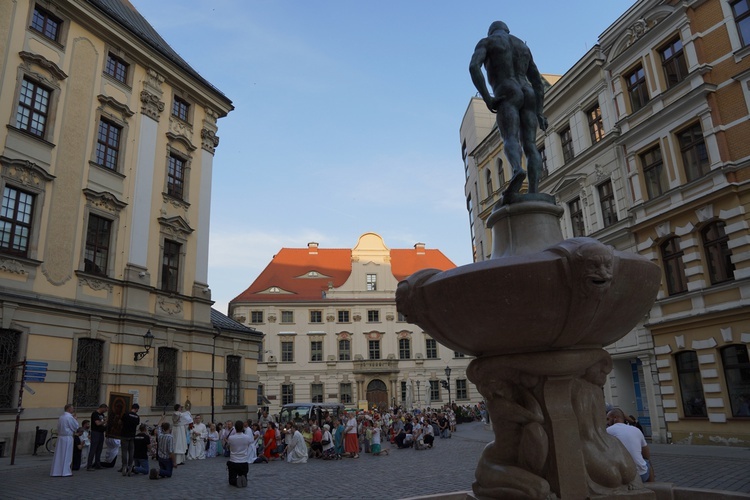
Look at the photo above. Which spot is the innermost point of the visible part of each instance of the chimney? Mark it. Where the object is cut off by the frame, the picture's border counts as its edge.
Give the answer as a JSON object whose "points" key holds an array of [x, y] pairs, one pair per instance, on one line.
{"points": [[312, 248], [419, 247]]}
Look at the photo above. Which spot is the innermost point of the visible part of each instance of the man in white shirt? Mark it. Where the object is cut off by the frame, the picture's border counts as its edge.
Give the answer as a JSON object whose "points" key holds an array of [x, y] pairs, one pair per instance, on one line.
{"points": [[239, 448], [634, 442]]}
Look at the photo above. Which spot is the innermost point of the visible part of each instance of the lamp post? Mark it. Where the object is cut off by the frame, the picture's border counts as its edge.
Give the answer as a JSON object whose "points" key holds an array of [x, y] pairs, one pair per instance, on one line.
{"points": [[148, 341], [213, 373], [448, 376]]}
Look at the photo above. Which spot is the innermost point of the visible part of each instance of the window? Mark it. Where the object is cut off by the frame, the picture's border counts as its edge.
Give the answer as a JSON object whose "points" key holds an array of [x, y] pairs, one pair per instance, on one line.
{"points": [[89, 357], [180, 108], [465, 156], [46, 24], [256, 316], [403, 391], [673, 62], [691, 387], [434, 390], [718, 255], [741, 11], [654, 173], [345, 350], [15, 221], [637, 89], [287, 394], [287, 351], [176, 176], [400, 317], [596, 126], [694, 152], [372, 282], [674, 268], [500, 171], [316, 393], [170, 266], [373, 349], [287, 316], [108, 144], [431, 348], [10, 342], [470, 208], [232, 397], [96, 255], [488, 181], [316, 316], [33, 107], [166, 379], [543, 156], [566, 139], [737, 374], [576, 218], [607, 203], [343, 316], [457, 354], [404, 349], [373, 316], [345, 393], [117, 68], [261, 395], [316, 350], [461, 390]]}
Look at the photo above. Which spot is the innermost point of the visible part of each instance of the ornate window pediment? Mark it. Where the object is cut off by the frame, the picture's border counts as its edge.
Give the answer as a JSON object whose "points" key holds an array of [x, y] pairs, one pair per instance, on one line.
{"points": [[176, 227], [104, 200]]}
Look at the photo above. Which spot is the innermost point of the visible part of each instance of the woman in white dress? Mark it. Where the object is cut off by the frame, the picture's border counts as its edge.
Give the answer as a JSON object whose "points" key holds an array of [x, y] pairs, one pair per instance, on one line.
{"points": [[213, 441]]}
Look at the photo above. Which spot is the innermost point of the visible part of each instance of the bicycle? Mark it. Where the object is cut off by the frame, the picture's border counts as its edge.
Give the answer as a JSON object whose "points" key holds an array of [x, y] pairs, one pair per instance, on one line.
{"points": [[51, 443]]}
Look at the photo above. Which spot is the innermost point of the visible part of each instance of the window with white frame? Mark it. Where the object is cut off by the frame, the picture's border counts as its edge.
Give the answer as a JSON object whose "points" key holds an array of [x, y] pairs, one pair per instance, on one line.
{"points": [[316, 392], [372, 282], [316, 350]]}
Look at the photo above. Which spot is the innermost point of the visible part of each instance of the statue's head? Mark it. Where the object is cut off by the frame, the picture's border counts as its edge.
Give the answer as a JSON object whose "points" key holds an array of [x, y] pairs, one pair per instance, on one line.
{"points": [[498, 26]]}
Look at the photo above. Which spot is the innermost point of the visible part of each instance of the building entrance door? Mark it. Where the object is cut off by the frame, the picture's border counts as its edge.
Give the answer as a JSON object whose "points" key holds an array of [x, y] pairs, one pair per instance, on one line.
{"points": [[377, 394]]}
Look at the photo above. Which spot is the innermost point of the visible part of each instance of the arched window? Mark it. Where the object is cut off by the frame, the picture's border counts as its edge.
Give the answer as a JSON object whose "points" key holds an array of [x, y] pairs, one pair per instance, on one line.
{"points": [[674, 268], [691, 386], [718, 255], [737, 374], [488, 176]]}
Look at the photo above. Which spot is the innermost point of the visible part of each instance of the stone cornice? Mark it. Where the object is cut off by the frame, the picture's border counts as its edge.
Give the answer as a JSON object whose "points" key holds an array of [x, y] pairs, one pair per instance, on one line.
{"points": [[41, 61]]}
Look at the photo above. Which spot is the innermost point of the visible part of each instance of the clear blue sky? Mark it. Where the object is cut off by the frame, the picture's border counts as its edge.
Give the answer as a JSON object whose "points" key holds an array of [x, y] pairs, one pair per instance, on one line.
{"points": [[347, 115]]}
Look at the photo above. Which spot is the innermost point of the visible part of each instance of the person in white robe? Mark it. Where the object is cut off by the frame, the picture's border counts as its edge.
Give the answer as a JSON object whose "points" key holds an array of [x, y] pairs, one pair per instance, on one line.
{"points": [[297, 453], [198, 435], [180, 421], [111, 450], [67, 425]]}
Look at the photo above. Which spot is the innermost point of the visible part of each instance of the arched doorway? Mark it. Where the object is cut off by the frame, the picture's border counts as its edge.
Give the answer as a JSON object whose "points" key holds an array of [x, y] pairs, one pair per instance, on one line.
{"points": [[377, 394]]}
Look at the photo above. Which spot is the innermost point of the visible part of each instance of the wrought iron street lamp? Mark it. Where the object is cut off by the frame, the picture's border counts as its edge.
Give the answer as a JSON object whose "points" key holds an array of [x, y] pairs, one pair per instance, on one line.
{"points": [[448, 376], [419, 396], [148, 341]]}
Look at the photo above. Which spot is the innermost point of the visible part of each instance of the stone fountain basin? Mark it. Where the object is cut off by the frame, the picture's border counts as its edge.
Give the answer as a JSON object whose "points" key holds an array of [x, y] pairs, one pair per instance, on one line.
{"points": [[578, 293]]}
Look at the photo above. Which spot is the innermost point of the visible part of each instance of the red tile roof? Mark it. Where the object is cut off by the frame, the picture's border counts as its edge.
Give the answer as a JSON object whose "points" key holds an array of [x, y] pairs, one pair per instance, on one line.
{"points": [[289, 268]]}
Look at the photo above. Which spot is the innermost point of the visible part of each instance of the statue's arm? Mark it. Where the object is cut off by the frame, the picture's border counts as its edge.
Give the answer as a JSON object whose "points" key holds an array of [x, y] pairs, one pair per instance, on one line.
{"points": [[535, 78], [475, 69]]}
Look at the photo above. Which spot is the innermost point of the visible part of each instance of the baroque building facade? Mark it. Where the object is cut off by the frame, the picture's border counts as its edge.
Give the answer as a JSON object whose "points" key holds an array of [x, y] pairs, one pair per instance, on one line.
{"points": [[333, 333], [106, 158], [646, 151]]}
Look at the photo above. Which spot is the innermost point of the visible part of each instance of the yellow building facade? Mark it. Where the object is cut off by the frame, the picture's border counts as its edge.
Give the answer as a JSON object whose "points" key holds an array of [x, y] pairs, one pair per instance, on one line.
{"points": [[106, 158]]}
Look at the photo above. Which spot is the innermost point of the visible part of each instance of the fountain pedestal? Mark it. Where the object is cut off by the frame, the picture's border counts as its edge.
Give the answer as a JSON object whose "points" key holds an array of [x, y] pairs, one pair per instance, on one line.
{"points": [[536, 316]]}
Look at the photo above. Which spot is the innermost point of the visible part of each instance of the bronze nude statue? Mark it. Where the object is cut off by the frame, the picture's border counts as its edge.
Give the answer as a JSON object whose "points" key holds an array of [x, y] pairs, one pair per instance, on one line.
{"points": [[517, 99]]}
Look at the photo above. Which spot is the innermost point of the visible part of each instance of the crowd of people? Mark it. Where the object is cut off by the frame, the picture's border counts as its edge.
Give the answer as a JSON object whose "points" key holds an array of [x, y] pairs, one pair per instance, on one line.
{"points": [[184, 437]]}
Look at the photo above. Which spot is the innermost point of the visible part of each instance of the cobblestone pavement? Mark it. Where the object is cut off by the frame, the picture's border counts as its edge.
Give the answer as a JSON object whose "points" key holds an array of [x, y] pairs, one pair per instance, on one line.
{"points": [[448, 467]]}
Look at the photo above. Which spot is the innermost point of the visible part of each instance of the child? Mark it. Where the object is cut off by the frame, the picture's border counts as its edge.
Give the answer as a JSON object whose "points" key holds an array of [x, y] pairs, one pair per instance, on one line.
{"points": [[77, 449]]}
